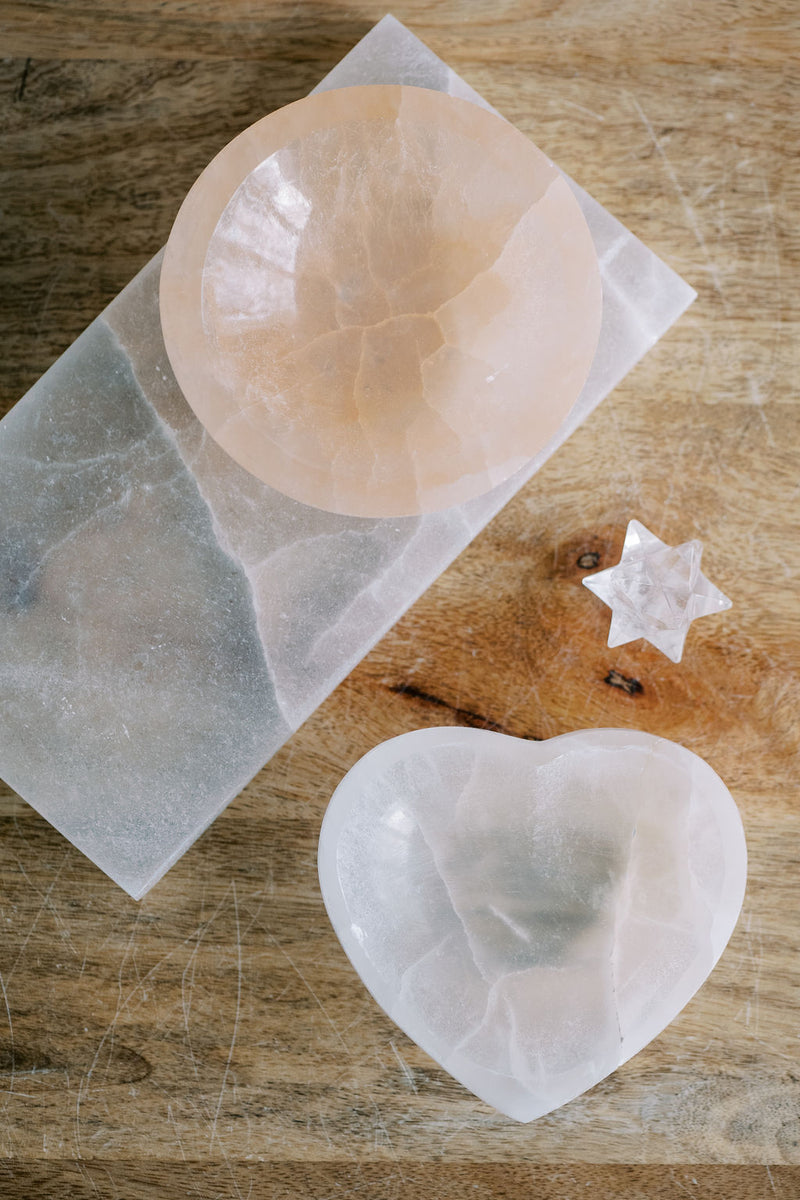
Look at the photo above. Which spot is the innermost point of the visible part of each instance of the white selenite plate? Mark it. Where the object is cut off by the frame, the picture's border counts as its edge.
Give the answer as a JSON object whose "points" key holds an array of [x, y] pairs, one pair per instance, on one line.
{"points": [[166, 620]]}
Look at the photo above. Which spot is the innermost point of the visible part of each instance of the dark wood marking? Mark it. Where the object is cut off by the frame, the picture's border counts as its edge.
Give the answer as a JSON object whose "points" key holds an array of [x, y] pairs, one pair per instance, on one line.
{"points": [[588, 560], [119, 1065], [465, 715], [23, 80], [625, 683]]}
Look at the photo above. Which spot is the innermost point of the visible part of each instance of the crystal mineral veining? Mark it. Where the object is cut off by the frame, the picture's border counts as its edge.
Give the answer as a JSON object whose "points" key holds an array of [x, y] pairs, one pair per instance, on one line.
{"points": [[532, 914], [382, 300]]}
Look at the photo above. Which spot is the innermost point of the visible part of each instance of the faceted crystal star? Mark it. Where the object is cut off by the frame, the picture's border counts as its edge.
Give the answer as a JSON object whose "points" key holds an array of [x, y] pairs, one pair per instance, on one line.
{"points": [[656, 591]]}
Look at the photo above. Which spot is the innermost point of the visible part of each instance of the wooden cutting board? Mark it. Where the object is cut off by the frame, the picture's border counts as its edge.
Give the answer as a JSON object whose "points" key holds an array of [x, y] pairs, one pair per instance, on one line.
{"points": [[213, 1040]]}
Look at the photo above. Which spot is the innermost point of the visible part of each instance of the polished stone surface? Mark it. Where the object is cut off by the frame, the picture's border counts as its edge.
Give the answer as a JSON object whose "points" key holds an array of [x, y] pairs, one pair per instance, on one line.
{"points": [[655, 591], [382, 300], [532, 913], [166, 619]]}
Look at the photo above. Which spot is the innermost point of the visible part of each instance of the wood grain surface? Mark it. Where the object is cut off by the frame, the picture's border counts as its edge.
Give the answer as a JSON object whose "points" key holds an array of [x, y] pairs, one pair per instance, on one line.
{"points": [[213, 1040]]}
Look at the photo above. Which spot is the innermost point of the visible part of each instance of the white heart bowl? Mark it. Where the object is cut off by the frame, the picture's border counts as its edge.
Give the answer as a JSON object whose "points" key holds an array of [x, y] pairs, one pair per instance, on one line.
{"points": [[532, 913]]}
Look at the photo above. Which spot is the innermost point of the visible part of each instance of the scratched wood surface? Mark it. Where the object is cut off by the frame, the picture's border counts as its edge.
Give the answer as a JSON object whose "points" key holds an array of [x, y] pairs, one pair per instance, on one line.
{"points": [[212, 1040]]}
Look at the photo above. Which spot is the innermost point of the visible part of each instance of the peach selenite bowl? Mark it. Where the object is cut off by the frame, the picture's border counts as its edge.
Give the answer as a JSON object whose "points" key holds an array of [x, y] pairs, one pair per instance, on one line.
{"points": [[381, 300]]}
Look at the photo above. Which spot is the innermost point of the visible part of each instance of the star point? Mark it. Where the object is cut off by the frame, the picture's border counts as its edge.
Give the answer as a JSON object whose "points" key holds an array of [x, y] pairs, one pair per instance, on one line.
{"points": [[655, 591]]}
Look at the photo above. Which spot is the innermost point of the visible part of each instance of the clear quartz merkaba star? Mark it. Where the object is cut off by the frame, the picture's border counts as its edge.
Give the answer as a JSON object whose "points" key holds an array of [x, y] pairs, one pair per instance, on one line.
{"points": [[656, 591]]}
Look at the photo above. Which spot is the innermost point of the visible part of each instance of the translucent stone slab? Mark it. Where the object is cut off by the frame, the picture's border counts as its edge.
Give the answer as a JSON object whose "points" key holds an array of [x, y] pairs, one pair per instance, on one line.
{"points": [[532, 913], [166, 620]]}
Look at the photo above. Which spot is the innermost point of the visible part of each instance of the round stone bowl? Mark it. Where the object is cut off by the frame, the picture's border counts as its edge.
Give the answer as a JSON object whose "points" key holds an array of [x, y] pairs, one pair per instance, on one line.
{"points": [[381, 301]]}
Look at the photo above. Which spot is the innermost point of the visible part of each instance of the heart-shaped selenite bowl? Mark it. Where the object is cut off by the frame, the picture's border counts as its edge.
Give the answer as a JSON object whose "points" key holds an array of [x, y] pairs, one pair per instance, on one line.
{"points": [[532, 913]]}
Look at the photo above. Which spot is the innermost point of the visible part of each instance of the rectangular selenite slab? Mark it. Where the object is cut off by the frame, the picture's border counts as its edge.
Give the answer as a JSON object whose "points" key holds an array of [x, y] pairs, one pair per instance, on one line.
{"points": [[167, 620]]}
